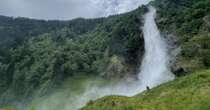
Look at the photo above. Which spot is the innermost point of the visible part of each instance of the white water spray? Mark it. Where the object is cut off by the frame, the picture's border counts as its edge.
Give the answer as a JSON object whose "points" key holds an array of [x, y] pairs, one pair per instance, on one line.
{"points": [[154, 68], [154, 71]]}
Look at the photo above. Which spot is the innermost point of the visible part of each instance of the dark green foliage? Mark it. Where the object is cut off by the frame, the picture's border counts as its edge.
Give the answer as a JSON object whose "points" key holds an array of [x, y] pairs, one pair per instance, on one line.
{"points": [[187, 15], [49, 52], [189, 20], [37, 56], [13, 31]]}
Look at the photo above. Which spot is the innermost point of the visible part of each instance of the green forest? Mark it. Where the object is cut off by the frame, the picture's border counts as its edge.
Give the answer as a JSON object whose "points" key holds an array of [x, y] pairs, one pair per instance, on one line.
{"points": [[189, 21], [38, 56]]}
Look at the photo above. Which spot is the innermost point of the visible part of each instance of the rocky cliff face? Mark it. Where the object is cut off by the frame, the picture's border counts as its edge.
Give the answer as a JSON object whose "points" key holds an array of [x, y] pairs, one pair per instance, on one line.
{"points": [[185, 25]]}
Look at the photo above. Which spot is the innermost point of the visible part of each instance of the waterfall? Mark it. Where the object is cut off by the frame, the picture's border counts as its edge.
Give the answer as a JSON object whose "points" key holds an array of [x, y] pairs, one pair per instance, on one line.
{"points": [[153, 71], [154, 68]]}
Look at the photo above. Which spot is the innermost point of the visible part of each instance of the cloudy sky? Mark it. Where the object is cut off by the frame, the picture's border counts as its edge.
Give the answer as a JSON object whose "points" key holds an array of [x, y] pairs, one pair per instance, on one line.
{"points": [[66, 9]]}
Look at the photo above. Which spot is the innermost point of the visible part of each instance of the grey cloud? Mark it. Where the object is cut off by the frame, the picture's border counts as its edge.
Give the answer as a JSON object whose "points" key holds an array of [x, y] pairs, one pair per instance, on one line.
{"points": [[66, 9]]}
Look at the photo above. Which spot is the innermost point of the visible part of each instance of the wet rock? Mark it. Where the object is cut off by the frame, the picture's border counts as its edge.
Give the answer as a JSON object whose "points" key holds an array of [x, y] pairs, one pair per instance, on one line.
{"points": [[179, 71]]}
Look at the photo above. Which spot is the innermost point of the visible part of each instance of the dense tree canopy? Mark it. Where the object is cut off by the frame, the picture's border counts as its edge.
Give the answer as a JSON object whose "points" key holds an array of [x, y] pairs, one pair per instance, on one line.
{"points": [[42, 54], [189, 20]]}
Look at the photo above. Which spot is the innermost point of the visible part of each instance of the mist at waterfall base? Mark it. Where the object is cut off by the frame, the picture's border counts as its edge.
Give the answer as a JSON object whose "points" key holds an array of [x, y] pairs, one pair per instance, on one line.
{"points": [[153, 71]]}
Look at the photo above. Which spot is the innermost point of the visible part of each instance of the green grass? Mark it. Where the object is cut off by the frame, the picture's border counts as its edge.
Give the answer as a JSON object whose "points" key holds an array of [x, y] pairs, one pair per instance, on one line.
{"points": [[7, 108], [191, 92]]}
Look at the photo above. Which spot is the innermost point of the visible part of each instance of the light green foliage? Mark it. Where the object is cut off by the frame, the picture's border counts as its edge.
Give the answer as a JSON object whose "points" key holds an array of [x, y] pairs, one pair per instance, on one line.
{"points": [[187, 93], [7, 108]]}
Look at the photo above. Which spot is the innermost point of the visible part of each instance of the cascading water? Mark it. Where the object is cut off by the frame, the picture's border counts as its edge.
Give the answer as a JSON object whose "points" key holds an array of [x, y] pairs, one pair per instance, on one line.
{"points": [[153, 71], [154, 68]]}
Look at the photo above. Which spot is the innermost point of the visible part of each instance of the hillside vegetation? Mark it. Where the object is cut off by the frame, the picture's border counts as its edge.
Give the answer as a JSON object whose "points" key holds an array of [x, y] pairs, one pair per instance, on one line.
{"points": [[189, 20], [38, 56], [187, 93]]}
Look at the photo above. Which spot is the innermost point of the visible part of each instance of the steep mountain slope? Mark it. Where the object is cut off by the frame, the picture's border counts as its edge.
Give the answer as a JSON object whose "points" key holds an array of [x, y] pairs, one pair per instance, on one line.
{"points": [[41, 55], [185, 25], [107, 47], [15, 35], [13, 31], [189, 21]]}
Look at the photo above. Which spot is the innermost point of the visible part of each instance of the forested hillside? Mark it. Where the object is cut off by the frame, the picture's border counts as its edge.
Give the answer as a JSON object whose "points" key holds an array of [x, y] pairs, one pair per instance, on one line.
{"points": [[41, 55], [14, 31], [189, 20], [22, 42], [38, 57]]}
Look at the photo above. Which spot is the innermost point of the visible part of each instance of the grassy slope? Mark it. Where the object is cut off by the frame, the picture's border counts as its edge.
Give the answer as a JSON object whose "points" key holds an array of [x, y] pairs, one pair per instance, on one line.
{"points": [[187, 93]]}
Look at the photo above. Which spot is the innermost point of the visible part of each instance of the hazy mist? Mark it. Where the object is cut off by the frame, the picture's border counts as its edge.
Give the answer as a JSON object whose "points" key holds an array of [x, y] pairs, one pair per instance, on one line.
{"points": [[153, 72]]}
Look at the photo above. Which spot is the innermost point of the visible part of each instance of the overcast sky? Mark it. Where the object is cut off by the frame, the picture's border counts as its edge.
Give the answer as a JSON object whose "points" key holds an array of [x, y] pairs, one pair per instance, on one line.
{"points": [[66, 9]]}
